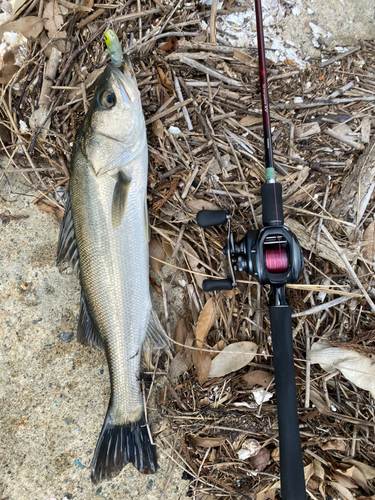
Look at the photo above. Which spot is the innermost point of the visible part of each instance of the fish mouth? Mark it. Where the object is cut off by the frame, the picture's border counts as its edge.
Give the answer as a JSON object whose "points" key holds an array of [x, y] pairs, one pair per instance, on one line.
{"points": [[127, 81]]}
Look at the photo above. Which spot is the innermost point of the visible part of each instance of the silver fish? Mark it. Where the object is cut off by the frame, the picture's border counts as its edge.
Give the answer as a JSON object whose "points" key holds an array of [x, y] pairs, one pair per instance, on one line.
{"points": [[105, 235]]}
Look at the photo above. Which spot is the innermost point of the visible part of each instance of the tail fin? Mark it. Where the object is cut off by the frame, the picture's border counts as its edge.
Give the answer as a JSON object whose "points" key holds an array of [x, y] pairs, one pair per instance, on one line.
{"points": [[119, 445]]}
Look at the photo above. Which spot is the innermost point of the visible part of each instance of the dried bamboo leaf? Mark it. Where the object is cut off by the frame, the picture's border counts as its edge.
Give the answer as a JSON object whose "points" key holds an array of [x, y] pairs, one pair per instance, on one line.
{"points": [[257, 377]]}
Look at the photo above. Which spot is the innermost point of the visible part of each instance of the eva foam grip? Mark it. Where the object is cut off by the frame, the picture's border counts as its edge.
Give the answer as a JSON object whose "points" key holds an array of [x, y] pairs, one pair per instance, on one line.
{"points": [[208, 218], [291, 464], [212, 285], [272, 205]]}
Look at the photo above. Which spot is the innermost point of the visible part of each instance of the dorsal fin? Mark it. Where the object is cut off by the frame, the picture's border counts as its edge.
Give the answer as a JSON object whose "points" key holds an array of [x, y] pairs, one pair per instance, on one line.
{"points": [[67, 250]]}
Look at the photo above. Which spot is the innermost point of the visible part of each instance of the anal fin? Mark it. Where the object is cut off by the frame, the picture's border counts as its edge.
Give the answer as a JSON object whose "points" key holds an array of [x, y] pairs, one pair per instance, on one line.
{"points": [[156, 335], [86, 331]]}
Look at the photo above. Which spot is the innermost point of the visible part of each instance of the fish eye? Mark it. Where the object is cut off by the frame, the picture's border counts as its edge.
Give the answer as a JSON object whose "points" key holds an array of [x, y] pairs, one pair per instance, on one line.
{"points": [[107, 99]]}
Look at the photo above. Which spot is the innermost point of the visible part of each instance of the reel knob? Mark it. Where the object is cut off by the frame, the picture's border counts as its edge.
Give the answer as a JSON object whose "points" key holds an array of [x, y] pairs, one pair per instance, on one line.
{"points": [[217, 285], [209, 218]]}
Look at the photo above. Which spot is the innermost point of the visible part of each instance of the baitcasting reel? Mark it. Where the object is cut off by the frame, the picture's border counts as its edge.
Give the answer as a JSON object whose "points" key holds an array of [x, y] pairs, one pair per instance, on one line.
{"points": [[271, 254]]}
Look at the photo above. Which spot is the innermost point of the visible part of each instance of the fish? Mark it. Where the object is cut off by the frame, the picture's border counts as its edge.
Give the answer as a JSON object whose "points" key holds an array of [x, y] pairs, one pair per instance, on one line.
{"points": [[104, 236]]}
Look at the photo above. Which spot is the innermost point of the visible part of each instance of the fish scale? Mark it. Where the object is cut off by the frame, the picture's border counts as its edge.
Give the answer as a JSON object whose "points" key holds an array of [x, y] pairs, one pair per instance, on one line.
{"points": [[107, 189]]}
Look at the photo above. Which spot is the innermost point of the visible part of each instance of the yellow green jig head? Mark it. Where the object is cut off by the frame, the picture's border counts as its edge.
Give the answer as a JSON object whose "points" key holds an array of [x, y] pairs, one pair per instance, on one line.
{"points": [[113, 47]]}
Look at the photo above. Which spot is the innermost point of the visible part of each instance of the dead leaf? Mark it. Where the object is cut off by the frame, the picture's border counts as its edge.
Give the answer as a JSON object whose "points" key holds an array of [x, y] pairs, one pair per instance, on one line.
{"points": [[241, 56], [179, 365], [367, 470], [217, 347], [344, 492], [307, 130], [158, 128], [344, 481], [248, 121], [368, 243], [5, 134], [232, 358], [202, 359], [315, 469], [167, 82], [260, 461], [156, 250], [7, 72], [206, 442], [84, 3], [18, 4], [194, 263], [257, 377], [275, 455], [29, 26], [366, 129], [168, 249], [170, 46], [197, 205], [357, 475], [354, 366], [50, 209], [52, 18], [334, 444]]}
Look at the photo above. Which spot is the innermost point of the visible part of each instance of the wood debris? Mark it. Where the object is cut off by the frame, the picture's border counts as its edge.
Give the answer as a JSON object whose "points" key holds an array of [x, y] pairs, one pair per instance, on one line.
{"points": [[211, 94]]}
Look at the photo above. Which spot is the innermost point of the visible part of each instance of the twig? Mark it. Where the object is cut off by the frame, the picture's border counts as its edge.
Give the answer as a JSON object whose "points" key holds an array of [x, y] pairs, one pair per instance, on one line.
{"points": [[340, 56], [209, 71], [342, 256], [339, 137], [181, 99], [213, 21], [322, 307], [168, 111]]}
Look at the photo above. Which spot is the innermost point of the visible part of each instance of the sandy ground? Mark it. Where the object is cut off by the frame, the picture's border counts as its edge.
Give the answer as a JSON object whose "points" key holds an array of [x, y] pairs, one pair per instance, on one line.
{"points": [[53, 393]]}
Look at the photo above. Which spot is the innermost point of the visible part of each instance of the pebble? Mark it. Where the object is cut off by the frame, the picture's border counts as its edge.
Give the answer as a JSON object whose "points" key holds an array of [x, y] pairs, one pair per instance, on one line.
{"points": [[66, 336]]}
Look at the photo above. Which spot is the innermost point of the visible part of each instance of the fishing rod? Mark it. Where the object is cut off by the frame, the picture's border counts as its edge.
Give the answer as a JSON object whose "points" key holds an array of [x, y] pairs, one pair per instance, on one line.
{"points": [[274, 257]]}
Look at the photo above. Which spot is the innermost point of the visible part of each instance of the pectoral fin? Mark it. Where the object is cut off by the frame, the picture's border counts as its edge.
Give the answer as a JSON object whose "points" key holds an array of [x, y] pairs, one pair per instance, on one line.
{"points": [[120, 199]]}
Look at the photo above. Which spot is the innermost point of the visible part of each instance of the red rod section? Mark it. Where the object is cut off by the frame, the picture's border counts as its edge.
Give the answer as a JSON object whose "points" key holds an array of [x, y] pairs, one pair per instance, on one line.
{"points": [[264, 87]]}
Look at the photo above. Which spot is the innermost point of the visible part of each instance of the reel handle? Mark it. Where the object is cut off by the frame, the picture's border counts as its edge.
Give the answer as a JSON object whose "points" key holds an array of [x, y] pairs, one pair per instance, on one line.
{"points": [[291, 463], [212, 285], [208, 218]]}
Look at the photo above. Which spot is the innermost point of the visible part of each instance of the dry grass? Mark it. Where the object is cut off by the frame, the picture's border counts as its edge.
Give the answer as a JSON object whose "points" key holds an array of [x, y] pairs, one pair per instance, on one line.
{"points": [[216, 160]]}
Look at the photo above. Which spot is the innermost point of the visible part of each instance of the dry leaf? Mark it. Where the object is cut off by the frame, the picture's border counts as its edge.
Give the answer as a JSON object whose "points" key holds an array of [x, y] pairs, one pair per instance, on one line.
{"points": [[5, 134], [179, 365], [84, 3], [202, 359], [248, 121], [249, 448], [165, 80], [170, 46], [168, 249], [368, 243], [315, 469], [158, 128], [156, 250], [50, 209], [194, 263], [366, 129], [197, 205], [217, 347], [260, 461], [367, 470], [355, 367], [334, 444], [257, 377], [7, 72], [18, 4], [307, 130], [52, 18], [275, 455], [344, 492], [344, 481], [207, 442], [241, 56], [232, 358], [29, 26]]}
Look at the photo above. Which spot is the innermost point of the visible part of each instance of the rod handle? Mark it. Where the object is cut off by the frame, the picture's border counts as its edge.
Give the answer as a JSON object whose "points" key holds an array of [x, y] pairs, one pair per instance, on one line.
{"points": [[208, 218], [212, 285], [291, 464]]}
